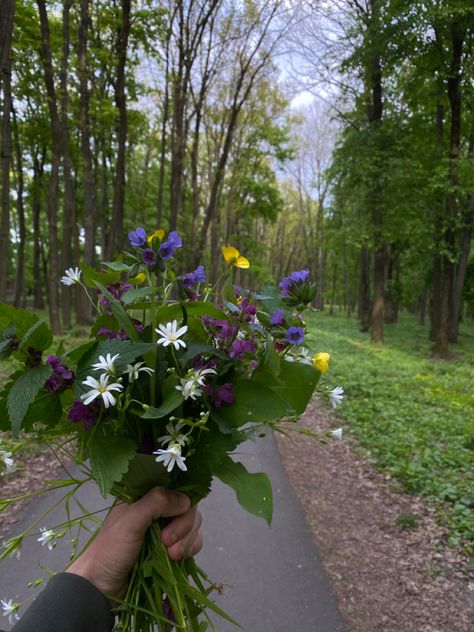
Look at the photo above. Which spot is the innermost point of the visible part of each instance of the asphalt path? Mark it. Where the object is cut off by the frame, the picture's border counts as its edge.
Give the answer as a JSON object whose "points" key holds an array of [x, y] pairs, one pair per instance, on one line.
{"points": [[273, 578]]}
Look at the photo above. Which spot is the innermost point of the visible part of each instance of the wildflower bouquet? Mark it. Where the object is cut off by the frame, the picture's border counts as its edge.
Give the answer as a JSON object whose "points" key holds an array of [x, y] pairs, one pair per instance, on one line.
{"points": [[174, 376]]}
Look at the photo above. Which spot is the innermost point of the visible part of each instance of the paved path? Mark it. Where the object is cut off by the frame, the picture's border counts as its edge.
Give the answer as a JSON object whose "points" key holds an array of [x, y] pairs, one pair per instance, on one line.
{"points": [[273, 576]]}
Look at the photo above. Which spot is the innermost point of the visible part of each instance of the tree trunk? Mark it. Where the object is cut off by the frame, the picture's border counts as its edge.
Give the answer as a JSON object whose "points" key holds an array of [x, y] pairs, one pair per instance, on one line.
{"points": [[89, 202], [440, 348], [466, 236], [19, 299], [7, 10], [116, 241], [364, 289], [53, 186], [38, 170], [69, 214]]}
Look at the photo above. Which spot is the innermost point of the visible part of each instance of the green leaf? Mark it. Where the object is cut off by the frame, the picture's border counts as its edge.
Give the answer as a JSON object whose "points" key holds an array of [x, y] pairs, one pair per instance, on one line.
{"points": [[253, 491], [132, 295], [118, 266], [297, 384], [120, 314], [256, 403], [143, 474], [109, 457], [22, 319], [92, 276], [38, 336], [23, 393], [46, 409], [197, 308], [171, 401], [73, 356]]}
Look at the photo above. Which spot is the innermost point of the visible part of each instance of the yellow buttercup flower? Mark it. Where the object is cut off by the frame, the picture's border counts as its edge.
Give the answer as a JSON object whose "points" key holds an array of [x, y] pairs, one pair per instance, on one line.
{"points": [[321, 362], [160, 233], [233, 257], [140, 278]]}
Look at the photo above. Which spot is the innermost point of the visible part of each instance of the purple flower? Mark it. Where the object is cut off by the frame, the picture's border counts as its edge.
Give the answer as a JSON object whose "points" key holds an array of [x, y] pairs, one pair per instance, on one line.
{"points": [[174, 239], [278, 317], [295, 335], [137, 237], [240, 347], [149, 257], [285, 285], [61, 378], [300, 276], [53, 384], [189, 279], [166, 250], [80, 412], [200, 274], [223, 395]]}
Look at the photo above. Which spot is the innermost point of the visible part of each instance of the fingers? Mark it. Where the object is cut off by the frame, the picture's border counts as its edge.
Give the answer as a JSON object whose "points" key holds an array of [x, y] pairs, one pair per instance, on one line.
{"points": [[182, 536], [157, 503]]}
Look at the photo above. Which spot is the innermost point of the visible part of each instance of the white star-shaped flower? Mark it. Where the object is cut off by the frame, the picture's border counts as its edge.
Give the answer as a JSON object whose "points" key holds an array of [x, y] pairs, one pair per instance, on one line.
{"points": [[336, 396], [189, 388], [190, 384], [72, 276], [174, 435], [200, 373], [100, 388], [9, 610], [170, 334], [106, 364], [47, 537], [337, 434], [133, 370], [6, 458], [171, 457]]}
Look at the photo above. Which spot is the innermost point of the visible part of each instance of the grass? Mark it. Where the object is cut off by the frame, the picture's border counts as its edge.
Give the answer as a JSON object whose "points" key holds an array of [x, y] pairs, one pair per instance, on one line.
{"points": [[412, 416]]}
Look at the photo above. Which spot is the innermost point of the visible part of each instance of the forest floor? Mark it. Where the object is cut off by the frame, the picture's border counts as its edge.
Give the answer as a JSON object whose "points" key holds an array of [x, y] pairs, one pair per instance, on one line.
{"points": [[384, 550]]}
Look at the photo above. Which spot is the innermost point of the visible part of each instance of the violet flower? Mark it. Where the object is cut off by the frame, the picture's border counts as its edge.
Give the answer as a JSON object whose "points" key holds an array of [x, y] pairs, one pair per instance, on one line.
{"points": [[278, 317], [149, 257], [137, 237], [295, 335]]}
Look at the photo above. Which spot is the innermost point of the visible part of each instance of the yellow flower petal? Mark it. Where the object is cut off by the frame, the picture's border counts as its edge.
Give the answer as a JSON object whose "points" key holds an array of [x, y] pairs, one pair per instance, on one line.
{"points": [[321, 362], [140, 278], [160, 233], [242, 262], [233, 257]]}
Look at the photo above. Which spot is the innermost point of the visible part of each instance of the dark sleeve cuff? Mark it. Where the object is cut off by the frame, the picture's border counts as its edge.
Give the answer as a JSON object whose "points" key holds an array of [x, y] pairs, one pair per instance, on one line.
{"points": [[69, 602]]}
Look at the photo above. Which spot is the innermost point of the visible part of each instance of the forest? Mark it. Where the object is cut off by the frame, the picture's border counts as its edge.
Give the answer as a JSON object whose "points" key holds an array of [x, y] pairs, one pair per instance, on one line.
{"points": [[331, 135]]}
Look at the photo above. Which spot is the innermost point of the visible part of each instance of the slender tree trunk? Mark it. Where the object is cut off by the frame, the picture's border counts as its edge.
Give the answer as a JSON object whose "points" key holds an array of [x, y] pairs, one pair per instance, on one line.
{"points": [[19, 299], [89, 202], [38, 170], [53, 186], [375, 120], [422, 306], [441, 345], [69, 214], [364, 289], [118, 204], [466, 237], [7, 10]]}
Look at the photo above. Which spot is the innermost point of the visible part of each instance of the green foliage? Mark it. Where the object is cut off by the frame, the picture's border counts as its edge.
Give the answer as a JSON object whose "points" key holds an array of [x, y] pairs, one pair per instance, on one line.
{"points": [[413, 416], [253, 491], [23, 392], [110, 456]]}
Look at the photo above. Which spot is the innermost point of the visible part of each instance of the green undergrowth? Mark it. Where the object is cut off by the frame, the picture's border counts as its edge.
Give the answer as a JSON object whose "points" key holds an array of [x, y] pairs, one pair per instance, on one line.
{"points": [[412, 416]]}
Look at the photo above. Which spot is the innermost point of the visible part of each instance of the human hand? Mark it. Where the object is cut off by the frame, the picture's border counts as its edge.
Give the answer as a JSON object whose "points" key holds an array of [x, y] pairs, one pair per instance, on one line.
{"points": [[112, 553]]}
